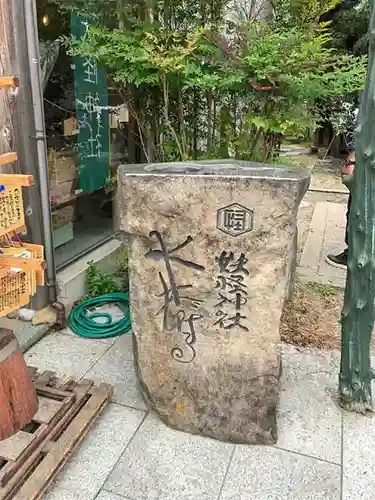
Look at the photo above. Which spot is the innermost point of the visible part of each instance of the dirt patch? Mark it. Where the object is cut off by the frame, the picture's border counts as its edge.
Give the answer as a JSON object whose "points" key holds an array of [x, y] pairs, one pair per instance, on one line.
{"points": [[312, 317], [300, 161]]}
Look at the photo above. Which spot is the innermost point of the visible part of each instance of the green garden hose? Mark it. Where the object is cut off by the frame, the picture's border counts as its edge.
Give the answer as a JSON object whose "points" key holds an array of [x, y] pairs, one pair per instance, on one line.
{"points": [[83, 318]]}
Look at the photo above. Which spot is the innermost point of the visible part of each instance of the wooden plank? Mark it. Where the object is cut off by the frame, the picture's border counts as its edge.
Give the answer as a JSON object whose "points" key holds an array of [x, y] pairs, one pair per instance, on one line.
{"points": [[38, 252], [19, 180], [7, 158], [19, 262], [45, 378], [51, 392], [12, 448], [7, 82], [47, 410], [12, 473], [39, 480], [65, 384]]}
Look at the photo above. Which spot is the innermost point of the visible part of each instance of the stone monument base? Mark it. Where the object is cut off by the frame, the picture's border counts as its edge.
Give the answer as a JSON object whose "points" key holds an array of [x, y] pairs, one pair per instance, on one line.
{"points": [[238, 406], [212, 253]]}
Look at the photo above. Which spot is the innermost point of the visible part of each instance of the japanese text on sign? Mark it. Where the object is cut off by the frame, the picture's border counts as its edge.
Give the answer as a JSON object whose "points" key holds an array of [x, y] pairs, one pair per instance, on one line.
{"points": [[232, 292], [11, 210], [91, 98], [179, 310]]}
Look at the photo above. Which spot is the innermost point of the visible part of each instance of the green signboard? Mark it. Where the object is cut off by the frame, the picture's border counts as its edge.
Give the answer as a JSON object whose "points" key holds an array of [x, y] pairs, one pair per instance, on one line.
{"points": [[91, 96]]}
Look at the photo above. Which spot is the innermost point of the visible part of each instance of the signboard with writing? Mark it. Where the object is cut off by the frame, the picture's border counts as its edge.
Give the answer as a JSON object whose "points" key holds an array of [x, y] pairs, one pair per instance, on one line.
{"points": [[91, 96]]}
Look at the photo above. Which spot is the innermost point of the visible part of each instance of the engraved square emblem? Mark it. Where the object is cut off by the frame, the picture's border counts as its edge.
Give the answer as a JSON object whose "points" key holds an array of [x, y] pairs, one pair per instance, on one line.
{"points": [[235, 219]]}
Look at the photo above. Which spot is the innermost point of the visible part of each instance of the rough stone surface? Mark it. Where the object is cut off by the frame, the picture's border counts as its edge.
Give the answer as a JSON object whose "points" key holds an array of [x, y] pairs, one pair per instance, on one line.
{"points": [[212, 247]]}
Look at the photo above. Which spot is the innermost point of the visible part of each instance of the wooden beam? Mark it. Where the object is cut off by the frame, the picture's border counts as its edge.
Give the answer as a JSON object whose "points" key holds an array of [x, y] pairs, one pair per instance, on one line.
{"points": [[7, 82], [18, 262], [6, 158], [16, 180]]}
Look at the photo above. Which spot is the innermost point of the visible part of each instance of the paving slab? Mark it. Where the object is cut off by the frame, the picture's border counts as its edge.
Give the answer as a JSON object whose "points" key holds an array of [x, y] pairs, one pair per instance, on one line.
{"points": [[106, 495], [61, 494], [68, 331], [65, 354], [309, 417], [116, 367], [359, 457], [326, 235], [85, 473], [164, 464], [265, 473], [327, 181]]}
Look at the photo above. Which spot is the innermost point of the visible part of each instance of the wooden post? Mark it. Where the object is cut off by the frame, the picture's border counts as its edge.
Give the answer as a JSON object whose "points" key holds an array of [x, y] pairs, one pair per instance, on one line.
{"points": [[18, 400], [358, 313]]}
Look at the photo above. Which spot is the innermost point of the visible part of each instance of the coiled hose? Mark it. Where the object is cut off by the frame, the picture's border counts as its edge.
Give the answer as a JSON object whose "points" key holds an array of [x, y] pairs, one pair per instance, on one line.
{"points": [[83, 321]]}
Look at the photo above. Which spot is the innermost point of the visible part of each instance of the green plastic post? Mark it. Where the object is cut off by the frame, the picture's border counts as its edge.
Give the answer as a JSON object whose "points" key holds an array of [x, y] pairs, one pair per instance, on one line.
{"points": [[359, 310]]}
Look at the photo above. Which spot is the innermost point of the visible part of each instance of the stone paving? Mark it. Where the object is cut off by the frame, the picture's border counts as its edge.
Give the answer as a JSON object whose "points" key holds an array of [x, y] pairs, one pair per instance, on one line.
{"points": [[322, 453], [326, 235]]}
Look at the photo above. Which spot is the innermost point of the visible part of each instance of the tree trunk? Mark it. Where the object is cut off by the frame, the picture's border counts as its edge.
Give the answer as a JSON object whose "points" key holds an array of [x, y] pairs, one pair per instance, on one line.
{"points": [[195, 126], [213, 143], [225, 122], [209, 120], [167, 121], [358, 311], [181, 117]]}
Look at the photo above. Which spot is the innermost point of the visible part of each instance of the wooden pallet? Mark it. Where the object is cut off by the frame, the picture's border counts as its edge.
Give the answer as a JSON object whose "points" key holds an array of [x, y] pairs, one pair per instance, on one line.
{"points": [[31, 459]]}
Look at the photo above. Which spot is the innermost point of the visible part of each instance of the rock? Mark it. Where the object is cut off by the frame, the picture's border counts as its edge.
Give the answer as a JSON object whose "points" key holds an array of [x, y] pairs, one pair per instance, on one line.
{"points": [[26, 314], [12, 315], [212, 254], [23, 314], [46, 316]]}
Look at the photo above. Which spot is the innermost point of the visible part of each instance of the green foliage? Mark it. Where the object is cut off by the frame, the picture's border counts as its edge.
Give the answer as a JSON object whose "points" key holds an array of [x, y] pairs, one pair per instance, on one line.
{"points": [[123, 270], [350, 27], [198, 86], [98, 282], [303, 12], [321, 289]]}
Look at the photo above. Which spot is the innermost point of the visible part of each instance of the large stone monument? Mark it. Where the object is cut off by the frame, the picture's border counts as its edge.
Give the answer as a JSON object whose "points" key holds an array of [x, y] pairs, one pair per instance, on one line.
{"points": [[212, 252]]}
